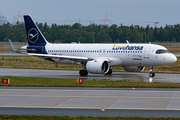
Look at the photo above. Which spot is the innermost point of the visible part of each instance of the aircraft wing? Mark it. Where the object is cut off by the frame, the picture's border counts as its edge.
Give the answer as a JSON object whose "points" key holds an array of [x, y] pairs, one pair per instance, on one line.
{"points": [[61, 57]]}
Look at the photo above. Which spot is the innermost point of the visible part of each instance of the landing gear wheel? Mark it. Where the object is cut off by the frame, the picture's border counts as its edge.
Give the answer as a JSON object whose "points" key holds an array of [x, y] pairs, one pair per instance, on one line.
{"points": [[109, 72], [151, 74], [83, 72]]}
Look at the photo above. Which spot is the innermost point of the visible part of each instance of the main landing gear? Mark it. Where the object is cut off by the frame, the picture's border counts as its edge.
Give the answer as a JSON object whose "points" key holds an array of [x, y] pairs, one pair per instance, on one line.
{"points": [[151, 74], [83, 72], [109, 72]]}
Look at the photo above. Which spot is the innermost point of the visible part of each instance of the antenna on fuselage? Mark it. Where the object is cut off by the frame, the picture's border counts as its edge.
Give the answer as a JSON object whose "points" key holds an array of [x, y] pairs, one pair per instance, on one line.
{"points": [[127, 41]]}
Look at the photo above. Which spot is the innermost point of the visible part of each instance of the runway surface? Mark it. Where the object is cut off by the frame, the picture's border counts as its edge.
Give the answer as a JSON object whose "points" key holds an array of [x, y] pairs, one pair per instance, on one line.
{"points": [[140, 77], [89, 101], [12, 54]]}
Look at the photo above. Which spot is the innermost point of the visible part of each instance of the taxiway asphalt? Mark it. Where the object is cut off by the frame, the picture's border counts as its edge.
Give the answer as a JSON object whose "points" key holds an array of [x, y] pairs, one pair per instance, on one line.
{"points": [[89, 101], [12, 54]]}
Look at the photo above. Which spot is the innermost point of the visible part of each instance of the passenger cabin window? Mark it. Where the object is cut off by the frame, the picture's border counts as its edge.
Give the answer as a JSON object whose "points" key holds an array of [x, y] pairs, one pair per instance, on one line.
{"points": [[160, 51]]}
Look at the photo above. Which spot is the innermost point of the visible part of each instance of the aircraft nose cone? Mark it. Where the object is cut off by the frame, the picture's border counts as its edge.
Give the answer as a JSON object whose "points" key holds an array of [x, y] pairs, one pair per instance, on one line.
{"points": [[172, 59]]}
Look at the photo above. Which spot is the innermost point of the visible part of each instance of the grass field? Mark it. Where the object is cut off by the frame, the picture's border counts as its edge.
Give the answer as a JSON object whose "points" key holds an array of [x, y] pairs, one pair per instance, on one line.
{"points": [[174, 49], [54, 82], [8, 48], [35, 117]]}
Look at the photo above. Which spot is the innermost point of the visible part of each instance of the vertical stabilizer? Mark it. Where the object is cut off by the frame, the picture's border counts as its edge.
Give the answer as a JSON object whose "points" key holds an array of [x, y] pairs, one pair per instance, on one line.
{"points": [[34, 35]]}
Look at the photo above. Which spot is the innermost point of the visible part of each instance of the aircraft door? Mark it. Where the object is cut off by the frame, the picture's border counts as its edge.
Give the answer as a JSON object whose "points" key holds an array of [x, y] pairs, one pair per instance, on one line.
{"points": [[146, 52]]}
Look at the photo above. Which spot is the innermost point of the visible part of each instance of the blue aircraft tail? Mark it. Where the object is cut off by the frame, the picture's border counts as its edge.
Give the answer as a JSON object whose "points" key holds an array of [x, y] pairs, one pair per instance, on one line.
{"points": [[34, 35]]}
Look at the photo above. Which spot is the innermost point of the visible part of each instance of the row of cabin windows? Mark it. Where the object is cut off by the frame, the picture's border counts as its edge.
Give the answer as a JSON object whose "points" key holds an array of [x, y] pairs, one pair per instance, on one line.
{"points": [[93, 51]]}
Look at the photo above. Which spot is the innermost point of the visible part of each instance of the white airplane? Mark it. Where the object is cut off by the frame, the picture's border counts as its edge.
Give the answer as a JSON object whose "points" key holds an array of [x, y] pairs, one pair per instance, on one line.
{"points": [[96, 58]]}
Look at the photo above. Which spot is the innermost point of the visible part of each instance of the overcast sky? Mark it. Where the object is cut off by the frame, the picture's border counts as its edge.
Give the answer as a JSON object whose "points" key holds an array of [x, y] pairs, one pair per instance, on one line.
{"points": [[127, 12]]}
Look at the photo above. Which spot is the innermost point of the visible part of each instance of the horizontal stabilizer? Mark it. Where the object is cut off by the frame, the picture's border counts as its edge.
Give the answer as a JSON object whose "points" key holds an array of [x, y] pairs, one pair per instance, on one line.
{"points": [[13, 47], [28, 49]]}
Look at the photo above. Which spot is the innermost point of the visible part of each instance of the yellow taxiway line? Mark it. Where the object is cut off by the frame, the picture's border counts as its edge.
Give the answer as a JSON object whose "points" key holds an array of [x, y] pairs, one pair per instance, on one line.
{"points": [[59, 96]]}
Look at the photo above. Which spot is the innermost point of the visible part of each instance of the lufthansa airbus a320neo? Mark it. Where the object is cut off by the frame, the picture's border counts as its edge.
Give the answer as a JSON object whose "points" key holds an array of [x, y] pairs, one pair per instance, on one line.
{"points": [[96, 58]]}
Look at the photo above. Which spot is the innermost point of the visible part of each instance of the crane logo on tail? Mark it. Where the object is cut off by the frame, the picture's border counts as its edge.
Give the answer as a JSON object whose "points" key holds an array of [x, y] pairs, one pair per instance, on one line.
{"points": [[33, 35]]}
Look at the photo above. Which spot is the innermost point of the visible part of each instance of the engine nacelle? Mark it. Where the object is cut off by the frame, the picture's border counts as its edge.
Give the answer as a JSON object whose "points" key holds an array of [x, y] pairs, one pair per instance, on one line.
{"points": [[98, 66], [134, 68]]}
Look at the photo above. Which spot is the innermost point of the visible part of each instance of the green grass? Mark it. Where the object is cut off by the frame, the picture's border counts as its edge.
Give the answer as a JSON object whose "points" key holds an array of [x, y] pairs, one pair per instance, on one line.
{"points": [[30, 62], [35, 117], [54, 82]]}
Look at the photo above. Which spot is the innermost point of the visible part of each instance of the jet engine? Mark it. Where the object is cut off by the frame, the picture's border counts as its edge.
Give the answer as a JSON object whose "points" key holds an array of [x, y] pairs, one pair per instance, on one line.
{"points": [[98, 66], [133, 68]]}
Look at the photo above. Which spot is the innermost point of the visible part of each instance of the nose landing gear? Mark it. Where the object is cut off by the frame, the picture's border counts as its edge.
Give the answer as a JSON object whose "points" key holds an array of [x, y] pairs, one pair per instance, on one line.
{"points": [[151, 74]]}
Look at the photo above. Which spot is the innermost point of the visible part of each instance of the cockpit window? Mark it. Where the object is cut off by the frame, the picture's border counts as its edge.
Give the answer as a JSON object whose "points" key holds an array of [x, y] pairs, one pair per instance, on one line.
{"points": [[160, 51]]}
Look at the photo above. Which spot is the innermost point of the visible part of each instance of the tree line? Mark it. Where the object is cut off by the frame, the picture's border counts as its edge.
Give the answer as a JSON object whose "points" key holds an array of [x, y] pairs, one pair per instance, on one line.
{"points": [[94, 33]]}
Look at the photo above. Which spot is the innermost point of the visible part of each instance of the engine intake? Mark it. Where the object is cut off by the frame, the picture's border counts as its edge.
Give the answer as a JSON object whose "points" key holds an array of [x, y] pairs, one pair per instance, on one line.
{"points": [[98, 66]]}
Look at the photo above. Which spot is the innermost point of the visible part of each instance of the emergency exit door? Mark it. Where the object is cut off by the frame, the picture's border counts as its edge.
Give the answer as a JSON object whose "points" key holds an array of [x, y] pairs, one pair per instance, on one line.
{"points": [[146, 52]]}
